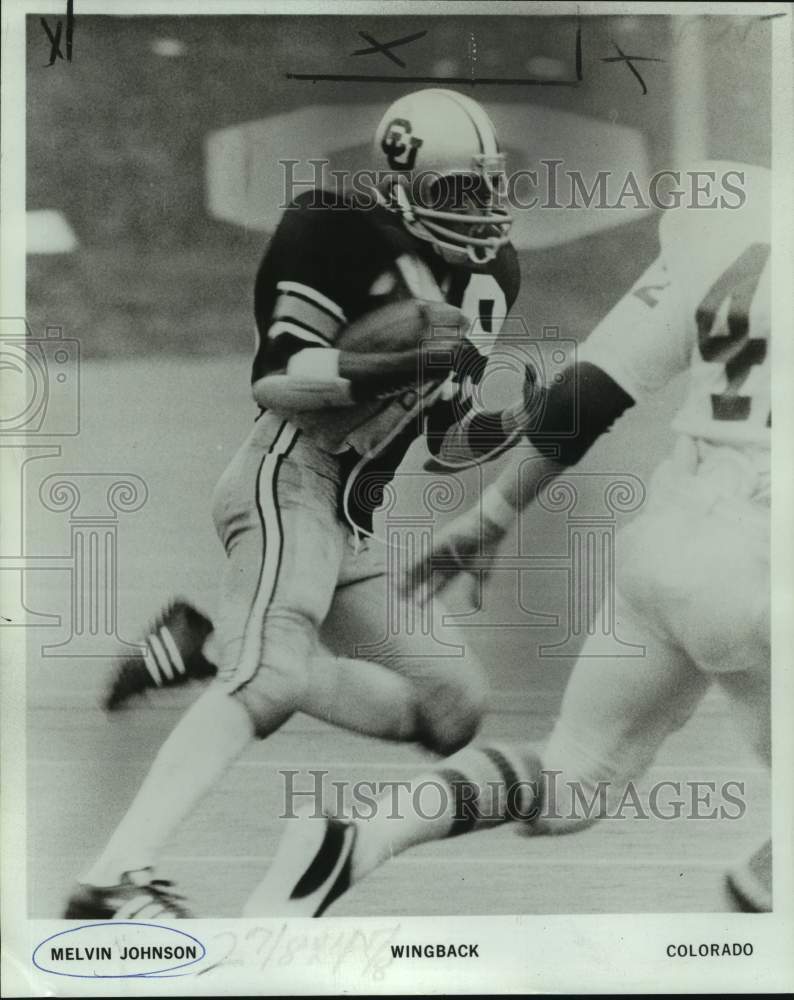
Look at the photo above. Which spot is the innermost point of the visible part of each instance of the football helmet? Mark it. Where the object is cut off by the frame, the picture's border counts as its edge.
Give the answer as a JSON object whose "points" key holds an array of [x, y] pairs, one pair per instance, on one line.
{"points": [[444, 174]]}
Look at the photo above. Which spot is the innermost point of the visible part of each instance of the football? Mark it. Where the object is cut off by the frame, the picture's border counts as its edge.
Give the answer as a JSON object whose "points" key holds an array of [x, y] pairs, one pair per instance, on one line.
{"points": [[400, 345], [404, 325]]}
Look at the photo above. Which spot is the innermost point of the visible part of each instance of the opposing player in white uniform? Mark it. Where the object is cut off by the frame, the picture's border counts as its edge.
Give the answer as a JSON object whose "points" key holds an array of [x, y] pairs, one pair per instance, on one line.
{"points": [[692, 570], [296, 502]]}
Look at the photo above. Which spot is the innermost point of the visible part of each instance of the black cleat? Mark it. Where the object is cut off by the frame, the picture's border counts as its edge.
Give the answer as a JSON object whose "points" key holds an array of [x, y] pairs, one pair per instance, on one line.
{"points": [[173, 656], [137, 897]]}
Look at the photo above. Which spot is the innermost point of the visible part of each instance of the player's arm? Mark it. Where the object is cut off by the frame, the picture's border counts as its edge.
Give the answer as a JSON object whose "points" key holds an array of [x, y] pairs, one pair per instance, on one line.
{"points": [[636, 349], [377, 355], [315, 348]]}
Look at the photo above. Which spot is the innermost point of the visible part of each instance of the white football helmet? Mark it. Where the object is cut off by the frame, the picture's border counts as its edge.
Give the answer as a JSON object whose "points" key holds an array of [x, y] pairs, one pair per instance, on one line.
{"points": [[445, 174]]}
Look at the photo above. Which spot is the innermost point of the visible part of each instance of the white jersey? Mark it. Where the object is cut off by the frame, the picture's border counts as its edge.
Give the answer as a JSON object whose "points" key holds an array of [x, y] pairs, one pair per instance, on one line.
{"points": [[704, 304]]}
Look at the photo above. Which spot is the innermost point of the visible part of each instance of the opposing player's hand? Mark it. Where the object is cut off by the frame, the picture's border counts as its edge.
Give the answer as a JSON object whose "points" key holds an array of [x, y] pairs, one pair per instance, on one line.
{"points": [[468, 546]]}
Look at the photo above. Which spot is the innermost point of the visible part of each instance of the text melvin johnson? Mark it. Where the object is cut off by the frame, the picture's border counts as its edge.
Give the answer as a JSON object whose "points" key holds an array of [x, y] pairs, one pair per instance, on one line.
{"points": [[126, 953]]}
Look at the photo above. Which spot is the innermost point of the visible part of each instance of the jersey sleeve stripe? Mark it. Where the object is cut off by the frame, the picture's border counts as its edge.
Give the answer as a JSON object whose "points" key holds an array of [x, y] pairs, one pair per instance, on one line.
{"points": [[306, 314], [306, 292], [292, 328]]}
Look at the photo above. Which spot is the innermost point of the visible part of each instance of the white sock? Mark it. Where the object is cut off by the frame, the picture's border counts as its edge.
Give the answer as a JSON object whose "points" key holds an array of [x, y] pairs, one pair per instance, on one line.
{"points": [[475, 788], [206, 741]]}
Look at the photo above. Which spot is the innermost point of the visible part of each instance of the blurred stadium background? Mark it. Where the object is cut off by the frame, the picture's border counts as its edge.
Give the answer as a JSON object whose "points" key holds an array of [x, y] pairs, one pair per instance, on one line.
{"points": [[153, 154], [117, 142]]}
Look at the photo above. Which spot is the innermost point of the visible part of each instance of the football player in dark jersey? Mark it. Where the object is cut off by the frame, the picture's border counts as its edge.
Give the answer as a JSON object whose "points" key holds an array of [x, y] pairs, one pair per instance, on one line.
{"points": [[294, 508]]}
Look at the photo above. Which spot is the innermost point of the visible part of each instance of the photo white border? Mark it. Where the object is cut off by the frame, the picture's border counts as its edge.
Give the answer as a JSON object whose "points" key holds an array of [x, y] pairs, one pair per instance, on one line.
{"points": [[577, 953]]}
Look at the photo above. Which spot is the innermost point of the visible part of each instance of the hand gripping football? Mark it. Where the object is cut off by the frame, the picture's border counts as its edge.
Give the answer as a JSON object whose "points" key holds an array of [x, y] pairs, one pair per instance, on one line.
{"points": [[399, 346], [404, 326]]}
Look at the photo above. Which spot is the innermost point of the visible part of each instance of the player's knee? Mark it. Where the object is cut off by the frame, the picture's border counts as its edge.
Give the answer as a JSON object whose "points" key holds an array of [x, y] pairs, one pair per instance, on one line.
{"points": [[274, 694], [450, 711]]}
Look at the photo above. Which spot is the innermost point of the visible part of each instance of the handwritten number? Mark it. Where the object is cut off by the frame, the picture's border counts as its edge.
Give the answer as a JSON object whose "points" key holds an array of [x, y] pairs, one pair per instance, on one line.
{"points": [[732, 345]]}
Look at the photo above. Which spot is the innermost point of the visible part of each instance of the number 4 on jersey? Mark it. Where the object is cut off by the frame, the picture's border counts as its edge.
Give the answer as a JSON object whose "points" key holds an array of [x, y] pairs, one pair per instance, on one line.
{"points": [[730, 342]]}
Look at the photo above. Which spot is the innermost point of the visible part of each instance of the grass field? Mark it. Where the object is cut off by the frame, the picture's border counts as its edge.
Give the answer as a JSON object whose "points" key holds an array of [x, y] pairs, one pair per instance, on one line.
{"points": [[174, 424]]}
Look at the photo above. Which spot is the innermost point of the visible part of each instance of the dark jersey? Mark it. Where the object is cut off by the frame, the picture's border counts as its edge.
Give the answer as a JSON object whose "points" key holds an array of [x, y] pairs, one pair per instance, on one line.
{"points": [[331, 262]]}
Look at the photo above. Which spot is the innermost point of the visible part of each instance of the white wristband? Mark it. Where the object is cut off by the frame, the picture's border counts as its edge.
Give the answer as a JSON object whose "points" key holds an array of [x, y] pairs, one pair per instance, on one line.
{"points": [[496, 509], [315, 362]]}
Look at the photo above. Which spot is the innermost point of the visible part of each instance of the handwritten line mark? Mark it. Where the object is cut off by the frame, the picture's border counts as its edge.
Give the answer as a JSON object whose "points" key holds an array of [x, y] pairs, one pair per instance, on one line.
{"points": [[452, 80], [386, 47], [457, 80]]}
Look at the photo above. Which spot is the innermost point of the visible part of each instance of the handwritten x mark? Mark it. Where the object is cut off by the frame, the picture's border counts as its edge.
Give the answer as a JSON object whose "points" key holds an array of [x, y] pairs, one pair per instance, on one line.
{"points": [[385, 47], [55, 40], [629, 61]]}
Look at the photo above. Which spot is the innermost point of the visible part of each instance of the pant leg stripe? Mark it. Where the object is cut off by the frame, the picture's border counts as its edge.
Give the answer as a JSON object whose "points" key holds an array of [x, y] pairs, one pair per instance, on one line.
{"points": [[266, 551], [272, 553], [277, 508]]}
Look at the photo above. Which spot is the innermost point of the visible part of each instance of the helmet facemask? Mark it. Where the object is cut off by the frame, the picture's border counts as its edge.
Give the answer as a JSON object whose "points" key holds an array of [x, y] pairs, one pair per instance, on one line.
{"points": [[459, 212]]}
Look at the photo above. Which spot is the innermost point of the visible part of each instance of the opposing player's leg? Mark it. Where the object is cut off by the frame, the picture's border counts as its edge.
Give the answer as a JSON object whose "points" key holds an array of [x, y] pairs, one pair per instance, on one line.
{"points": [[749, 882], [749, 879], [672, 563], [711, 590]]}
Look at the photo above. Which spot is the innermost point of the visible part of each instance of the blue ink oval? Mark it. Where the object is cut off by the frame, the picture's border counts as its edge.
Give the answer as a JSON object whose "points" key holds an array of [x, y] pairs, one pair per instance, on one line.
{"points": [[112, 950]]}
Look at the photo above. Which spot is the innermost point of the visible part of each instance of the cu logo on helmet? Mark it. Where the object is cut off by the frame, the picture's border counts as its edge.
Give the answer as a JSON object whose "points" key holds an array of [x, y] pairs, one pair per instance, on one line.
{"points": [[399, 145]]}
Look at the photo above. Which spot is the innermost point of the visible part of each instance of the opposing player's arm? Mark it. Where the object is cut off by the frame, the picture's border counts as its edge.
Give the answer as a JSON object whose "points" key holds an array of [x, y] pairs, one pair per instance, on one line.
{"points": [[459, 435], [458, 431], [637, 348], [545, 420], [634, 351], [583, 393]]}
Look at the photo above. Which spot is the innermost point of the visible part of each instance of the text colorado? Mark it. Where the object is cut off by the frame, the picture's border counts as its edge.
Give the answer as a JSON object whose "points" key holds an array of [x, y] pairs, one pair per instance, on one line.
{"points": [[712, 950]]}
